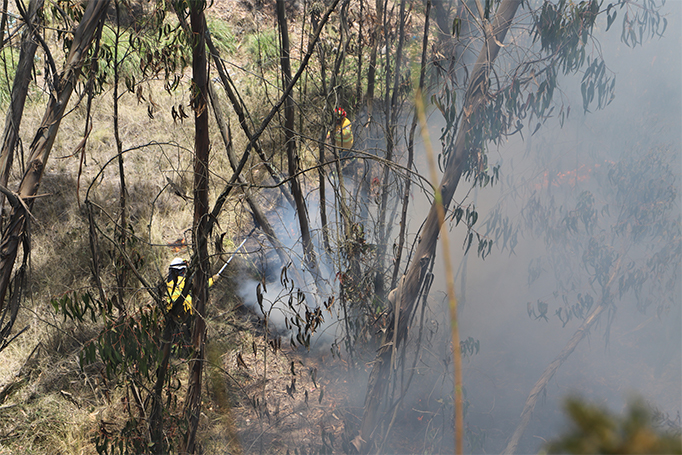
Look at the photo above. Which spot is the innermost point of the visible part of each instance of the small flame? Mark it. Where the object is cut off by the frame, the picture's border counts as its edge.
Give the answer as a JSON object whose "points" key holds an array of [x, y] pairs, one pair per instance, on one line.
{"points": [[178, 245]]}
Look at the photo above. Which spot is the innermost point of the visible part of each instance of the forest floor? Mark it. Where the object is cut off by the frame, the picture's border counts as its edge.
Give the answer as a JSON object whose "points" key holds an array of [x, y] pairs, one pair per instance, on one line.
{"points": [[289, 400], [299, 401]]}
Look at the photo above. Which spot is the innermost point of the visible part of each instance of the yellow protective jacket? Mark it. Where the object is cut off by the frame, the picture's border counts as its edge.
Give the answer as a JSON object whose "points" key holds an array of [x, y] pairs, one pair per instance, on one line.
{"points": [[175, 292], [343, 136]]}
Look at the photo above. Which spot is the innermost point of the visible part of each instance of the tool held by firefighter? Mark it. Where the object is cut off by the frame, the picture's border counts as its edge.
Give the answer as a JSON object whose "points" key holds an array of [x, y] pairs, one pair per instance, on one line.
{"points": [[217, 275]]}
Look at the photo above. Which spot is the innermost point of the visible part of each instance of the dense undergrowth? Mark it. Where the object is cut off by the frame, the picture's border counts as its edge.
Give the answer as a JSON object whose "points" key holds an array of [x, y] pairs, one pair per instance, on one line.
{"points": [[49, 401]]}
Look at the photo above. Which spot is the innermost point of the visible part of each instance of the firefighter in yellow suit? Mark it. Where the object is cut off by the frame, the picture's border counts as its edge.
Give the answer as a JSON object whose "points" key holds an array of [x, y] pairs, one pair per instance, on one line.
{"points": [[176, 283], [343, 135]]}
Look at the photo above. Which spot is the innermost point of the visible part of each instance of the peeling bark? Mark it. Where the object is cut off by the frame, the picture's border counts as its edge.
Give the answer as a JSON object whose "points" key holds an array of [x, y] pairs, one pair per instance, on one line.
{"points": [[19, 92], [40, 148]]}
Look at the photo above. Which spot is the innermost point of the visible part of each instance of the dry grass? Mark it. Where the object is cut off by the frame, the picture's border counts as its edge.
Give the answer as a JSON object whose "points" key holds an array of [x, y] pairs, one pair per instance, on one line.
{"points": [[51, 405]]}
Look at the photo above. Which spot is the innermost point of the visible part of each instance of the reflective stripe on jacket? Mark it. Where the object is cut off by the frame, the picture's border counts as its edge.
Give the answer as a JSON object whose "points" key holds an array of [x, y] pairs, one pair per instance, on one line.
{"points": [[175, 288], [175, 292], [343, 136]]}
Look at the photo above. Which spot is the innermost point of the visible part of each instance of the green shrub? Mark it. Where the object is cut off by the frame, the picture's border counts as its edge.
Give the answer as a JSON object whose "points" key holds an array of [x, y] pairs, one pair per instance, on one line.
{"points": [[9, 58], [263, 49], [222, 35], [596, 430]]}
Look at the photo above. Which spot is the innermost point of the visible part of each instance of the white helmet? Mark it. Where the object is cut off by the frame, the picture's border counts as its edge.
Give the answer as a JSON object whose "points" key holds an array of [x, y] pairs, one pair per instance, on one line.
{"points": [[178, 263]]}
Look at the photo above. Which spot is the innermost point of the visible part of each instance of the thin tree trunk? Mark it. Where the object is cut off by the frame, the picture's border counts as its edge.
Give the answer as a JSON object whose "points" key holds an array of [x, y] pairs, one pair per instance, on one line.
{"points": [[41, 146], [348, 296], [238, 107], [547, 375], [201, 210], [290, 143], [358, 83], [372, 70], [156, 412], [321, 150], [3, 21], [256, 209], [323, 193], [549, 372], [19, 92], [344, 39], [121, 273], [410, 153], [94, 251], [383, 229], [264, 124], [475, 98]]}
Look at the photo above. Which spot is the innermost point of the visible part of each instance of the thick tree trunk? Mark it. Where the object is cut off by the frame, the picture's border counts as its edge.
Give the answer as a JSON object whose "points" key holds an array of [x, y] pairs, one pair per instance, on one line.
{"points": [[19, 91], [441, 9], [201, 210], [41, 146], [408, 288]]}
